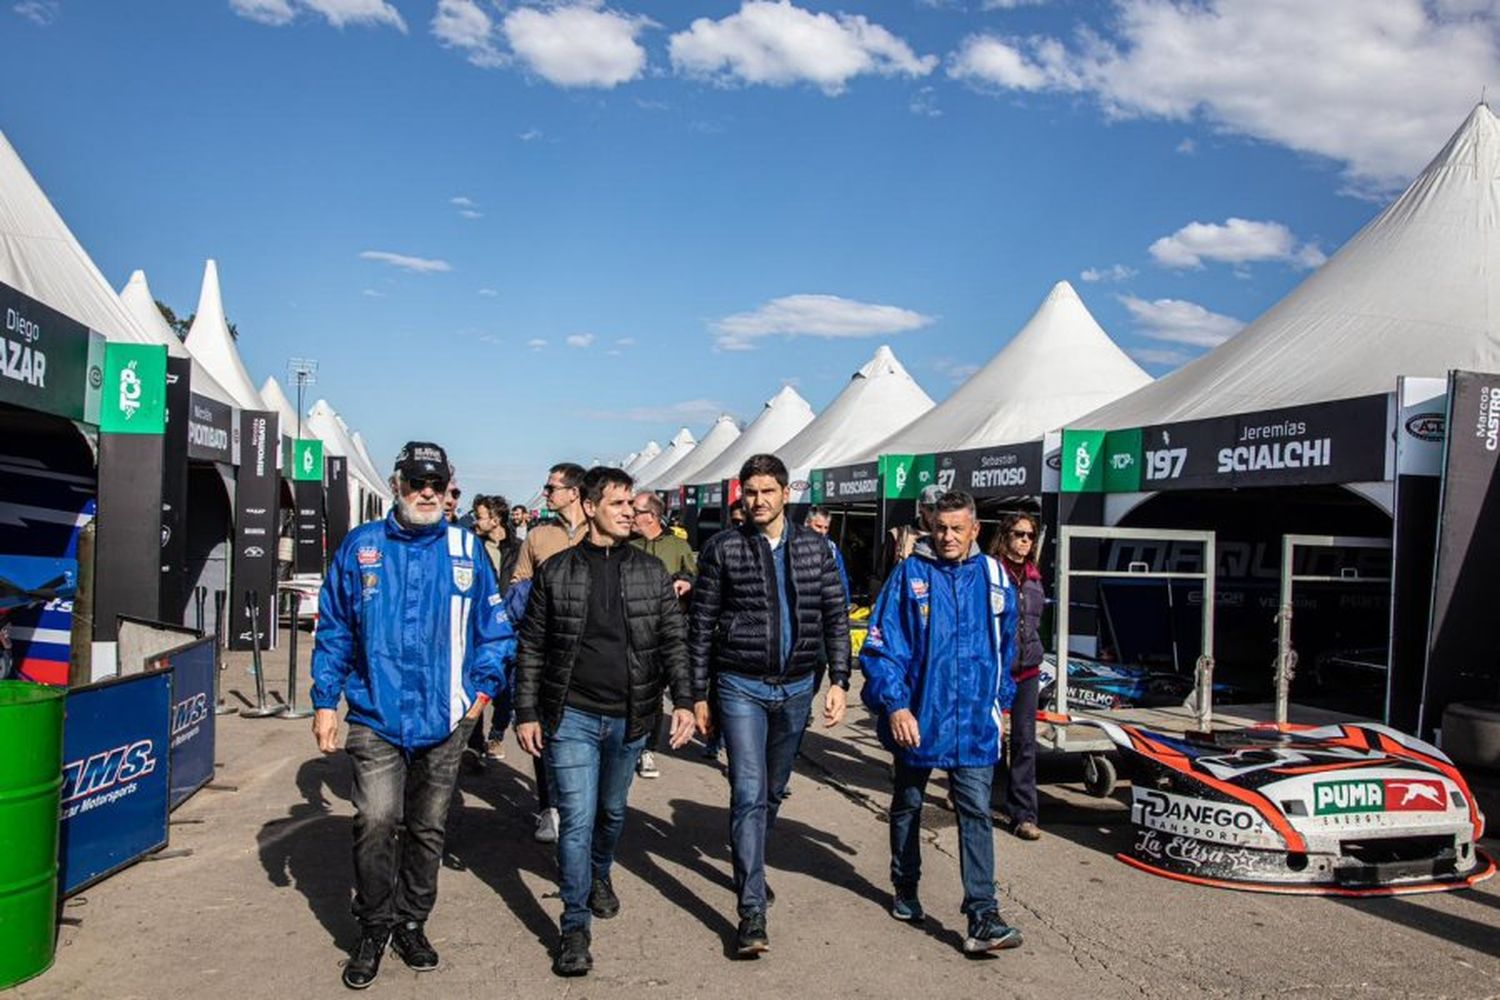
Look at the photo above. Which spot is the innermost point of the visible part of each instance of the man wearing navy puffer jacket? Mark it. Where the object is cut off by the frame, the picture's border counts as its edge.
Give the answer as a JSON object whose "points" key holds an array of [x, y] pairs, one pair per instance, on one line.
{"points": [[937, 666], [412, 633]]}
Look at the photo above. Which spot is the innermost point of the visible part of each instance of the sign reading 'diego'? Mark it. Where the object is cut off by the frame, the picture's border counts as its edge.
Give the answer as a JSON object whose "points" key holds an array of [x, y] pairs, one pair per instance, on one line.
{"points": [[115, 764], [45, 358]]}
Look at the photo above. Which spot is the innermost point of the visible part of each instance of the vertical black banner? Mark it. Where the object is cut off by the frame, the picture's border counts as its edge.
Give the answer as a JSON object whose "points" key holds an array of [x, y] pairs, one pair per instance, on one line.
{"points": [[256, 490], [127, 540], [1463, 645], [1415, 536], [174, 491], [336, 469], [309, 554]]}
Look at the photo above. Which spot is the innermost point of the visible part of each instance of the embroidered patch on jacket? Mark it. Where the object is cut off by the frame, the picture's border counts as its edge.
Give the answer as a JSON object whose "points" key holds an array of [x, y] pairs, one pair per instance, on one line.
{"points": [[369, 555], [463, 575], [997, 600], [919, 588], [371, 584]]}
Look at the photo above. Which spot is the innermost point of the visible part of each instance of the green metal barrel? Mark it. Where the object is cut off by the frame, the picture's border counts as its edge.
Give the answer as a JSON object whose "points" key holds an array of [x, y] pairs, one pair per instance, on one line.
{"points": [[31, 728]]}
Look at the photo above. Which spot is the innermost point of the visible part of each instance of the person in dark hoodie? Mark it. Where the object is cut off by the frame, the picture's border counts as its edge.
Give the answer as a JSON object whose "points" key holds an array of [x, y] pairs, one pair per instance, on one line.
{"points": [[1016, 546], [603, 634], [768, 608], [937, 665]]}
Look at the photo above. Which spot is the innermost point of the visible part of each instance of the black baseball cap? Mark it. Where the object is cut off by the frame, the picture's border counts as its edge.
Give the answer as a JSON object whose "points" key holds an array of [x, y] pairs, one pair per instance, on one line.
{"points": [[423, 460]]}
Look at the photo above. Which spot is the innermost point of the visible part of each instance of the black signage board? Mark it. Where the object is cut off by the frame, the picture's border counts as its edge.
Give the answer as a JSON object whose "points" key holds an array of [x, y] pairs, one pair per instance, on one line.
{"points": [[1343, 441], [308, 496], [44, 358], [257, 488], [210, 433], [127, 536], [1463, 645], [1005, 471], [336, 469], [711, 495], [174, 491], [851, 483]]}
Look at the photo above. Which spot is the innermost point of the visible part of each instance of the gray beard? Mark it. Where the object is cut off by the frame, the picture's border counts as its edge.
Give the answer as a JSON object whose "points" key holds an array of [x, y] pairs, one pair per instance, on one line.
{"points": [[413, 518]]}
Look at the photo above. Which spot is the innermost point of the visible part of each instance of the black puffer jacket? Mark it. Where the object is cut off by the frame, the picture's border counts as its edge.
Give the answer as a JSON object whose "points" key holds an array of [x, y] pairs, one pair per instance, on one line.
{"points": [[735, 623], [549, 634]]}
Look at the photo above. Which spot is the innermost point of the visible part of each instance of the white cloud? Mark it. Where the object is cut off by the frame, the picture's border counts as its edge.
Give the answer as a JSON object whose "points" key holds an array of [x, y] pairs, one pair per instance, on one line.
{"points": [[469, 213], [1376, 87], [689, 411], [530, 135], [1180, 322], [462, 201], [1009, 4], [1236, 241], [924, 103], [779, 44], [1160, 356], [1115, 272], [465, 26], [1187, 147], [373, 294], [955, 371], [39, 12], [339, 13], [625, 342], [536, 344], [418, 265], [578, 44], [581, 340], [827, 316], [488, 293]]}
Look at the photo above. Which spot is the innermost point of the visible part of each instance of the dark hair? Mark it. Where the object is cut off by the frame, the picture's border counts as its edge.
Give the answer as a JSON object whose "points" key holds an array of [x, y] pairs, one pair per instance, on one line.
{"points": [[956, 500], [520, 507], [572, 473], [817, 510], [487, 502], [597, 479], [1008, 521], [764, 465], [654, 501]]}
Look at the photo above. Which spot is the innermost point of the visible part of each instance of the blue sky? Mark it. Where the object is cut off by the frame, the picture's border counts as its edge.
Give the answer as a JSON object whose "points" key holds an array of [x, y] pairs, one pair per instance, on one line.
{"points": [[536, 231]]}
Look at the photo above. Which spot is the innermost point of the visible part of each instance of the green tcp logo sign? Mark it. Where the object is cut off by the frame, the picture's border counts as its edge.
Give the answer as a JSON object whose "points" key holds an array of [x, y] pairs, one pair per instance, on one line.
{"points": [[307, 460], [133, 398], [1101, 461]]}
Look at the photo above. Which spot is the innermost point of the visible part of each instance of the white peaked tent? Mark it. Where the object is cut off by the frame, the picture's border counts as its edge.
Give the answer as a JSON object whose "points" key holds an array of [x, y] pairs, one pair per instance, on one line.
{"points": [[286, 413], [209, 341], [625, 462], [1415, 292], [141, 304], [358, 458], [880, 398], [721, 435], [324, 422], [359, 446], [1060, 366], [642, 457], [784, 415], [680, 447]]}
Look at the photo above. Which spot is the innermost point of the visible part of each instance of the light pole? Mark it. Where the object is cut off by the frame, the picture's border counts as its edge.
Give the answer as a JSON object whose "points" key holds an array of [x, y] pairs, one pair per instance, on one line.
{"points": [[303, 372]]}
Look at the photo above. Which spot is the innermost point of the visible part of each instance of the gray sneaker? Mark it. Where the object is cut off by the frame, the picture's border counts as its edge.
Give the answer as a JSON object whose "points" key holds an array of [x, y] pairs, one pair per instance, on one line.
{"points": [[990, 933]]}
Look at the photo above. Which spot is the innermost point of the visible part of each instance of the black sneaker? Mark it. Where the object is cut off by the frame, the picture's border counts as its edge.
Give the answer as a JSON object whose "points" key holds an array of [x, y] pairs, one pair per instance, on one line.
{"points": [[906, 906], [408, 941], [990, 933], [573, 958], [364, 965], [770, 896], [752, 939], [603, 903]]}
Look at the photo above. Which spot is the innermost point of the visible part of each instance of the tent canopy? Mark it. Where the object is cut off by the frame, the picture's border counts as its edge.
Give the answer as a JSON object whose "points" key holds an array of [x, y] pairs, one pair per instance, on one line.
{"points": [[209, 341], [780, 419], [275, 399], [1415, 292], [720, 436], [1058, 367], [880, 398], [680, 447], [642, 457], [141, 304], [324, 422]]}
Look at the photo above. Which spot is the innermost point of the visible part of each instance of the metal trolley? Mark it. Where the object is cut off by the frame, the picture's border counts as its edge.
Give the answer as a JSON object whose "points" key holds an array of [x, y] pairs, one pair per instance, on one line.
{"points": [[1099, 770]]}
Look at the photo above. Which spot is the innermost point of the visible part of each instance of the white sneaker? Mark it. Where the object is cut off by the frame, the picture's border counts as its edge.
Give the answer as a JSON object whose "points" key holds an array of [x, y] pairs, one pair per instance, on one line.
{"points": [[646, 767], [546, 827]]}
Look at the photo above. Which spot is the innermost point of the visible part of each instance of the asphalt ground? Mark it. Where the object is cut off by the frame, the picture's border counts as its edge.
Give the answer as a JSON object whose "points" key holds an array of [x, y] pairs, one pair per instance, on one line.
{"points": [[251, 898]]}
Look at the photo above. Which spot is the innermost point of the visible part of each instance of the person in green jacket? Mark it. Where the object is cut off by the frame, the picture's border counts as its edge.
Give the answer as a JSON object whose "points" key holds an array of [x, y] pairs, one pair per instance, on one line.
{"points": [[652, 536]]}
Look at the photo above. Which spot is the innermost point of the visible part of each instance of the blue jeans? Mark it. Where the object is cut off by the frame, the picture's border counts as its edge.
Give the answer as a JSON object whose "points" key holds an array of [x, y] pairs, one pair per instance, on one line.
{"points": [[976, 840], [762, 725], [590, 766]]}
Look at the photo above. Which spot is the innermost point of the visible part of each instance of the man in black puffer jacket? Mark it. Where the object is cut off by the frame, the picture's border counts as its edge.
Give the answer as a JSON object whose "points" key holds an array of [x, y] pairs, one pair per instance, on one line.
{"points": [[768, 610], [603, 634]]}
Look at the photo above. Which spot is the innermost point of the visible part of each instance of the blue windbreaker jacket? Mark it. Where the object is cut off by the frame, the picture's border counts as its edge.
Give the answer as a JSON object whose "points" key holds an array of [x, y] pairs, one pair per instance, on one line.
{"points": [[411, 628], [941, 643]]}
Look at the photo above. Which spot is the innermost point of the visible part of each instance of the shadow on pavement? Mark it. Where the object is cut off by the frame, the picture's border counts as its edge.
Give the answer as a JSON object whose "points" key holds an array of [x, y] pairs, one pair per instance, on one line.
{"points": [[1410, 913], [310, 848]]}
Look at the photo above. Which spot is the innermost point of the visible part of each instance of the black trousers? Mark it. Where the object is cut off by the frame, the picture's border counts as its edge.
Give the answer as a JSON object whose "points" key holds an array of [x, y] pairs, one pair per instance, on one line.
{"points": [[400, 813], [1020, 754]]}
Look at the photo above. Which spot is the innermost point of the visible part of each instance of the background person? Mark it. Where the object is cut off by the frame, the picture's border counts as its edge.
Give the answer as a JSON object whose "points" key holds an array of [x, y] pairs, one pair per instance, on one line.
{"points": [[488, 514], [653, 538], [937, 667], [1016, 547], [412, 635]]}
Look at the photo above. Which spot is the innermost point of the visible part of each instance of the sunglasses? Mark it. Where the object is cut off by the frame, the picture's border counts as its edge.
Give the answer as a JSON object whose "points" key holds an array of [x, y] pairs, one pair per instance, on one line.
{"points": [[455, 493], [551, 488], [1028, 535], [434, 483]]}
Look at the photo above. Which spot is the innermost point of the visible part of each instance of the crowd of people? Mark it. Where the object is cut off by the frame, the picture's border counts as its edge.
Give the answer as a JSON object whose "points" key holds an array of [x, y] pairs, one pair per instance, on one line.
{"points": [[574, 628]]}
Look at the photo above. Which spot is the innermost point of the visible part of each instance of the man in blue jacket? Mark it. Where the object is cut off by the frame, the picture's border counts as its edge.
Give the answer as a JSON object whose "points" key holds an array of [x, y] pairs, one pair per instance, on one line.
{"points": [[937, 677], [413, 634]]}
